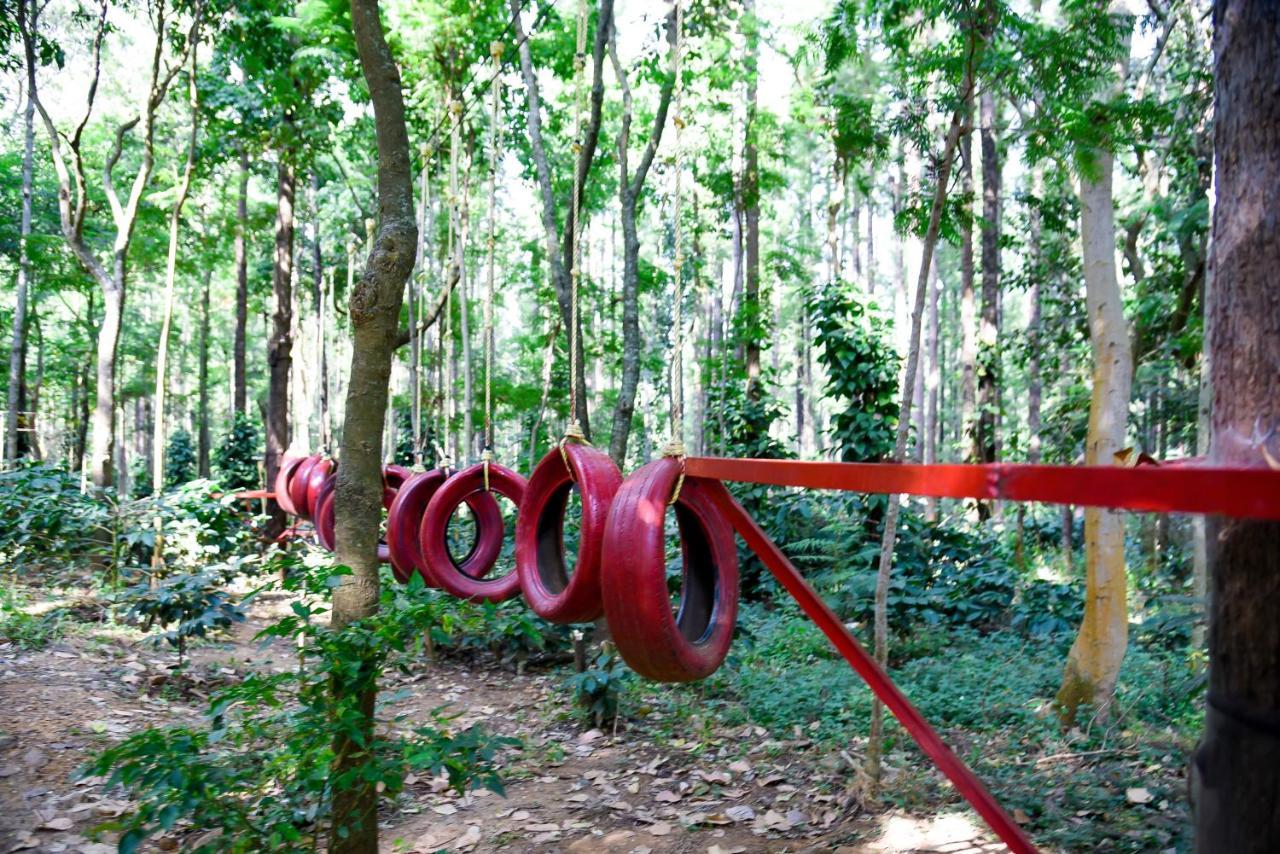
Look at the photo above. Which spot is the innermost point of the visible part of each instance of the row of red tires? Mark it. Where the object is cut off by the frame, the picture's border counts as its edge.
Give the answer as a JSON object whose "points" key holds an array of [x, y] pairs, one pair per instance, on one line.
{"points": [[621, 567]]}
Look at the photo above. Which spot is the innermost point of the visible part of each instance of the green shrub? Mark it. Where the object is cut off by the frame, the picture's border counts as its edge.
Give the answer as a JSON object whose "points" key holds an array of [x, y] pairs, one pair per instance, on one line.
{"points": [[185, 606], [47, 519], [235, 460], [179, 459]]}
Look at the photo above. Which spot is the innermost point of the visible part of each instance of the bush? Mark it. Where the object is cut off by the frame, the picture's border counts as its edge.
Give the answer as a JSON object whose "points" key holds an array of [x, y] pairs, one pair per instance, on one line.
{"points": [[48, 519], [179, 460], [235, 460], [193, 603]]}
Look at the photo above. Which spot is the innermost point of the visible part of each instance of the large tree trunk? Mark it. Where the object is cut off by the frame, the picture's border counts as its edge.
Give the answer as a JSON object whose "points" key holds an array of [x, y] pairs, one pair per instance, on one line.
{"points": [[19, 345], [630, 188], [375, 315], [1094, 661], [1236, 784], [238, 391], [280, 346], [989, 332]]}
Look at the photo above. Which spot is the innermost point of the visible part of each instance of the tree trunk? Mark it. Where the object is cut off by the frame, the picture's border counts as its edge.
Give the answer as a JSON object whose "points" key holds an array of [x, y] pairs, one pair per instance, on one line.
{"points": [[1235, 784], [988, 366], [968, 312], [559, 250], [238, 392], [170, 284], [751, 207], [979, 34], [1094, 661], [19, 344], [375, 315], [630, 188], [280, 346], [931, 397], [205, 441]]}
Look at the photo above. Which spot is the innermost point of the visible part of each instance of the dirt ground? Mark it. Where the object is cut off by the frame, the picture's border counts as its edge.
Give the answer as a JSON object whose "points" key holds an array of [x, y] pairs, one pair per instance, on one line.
{"points": [[570, 790]]}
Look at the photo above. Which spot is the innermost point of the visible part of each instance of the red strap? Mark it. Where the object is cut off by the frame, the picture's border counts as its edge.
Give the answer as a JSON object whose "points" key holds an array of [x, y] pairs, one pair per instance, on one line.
{"points": [[1249, 493], [965, 781]]}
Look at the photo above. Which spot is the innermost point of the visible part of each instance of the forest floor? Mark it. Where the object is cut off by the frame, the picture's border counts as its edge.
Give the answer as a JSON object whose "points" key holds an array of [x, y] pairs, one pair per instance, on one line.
{"points": [[569, 788]]}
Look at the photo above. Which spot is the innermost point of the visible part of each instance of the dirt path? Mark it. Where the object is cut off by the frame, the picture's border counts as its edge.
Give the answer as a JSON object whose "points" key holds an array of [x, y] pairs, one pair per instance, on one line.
{"points": [[637, 790]]}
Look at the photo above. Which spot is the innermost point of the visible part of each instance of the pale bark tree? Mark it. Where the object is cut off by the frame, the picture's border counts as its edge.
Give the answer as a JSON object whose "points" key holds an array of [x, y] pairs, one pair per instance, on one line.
{"points": [[183, 190], [1093, 664], [204, 442], [989, 326], [280, 344], [968, 306], [374, 309], [111, 275], [630, 188], [1235, 784], [750, 201]]}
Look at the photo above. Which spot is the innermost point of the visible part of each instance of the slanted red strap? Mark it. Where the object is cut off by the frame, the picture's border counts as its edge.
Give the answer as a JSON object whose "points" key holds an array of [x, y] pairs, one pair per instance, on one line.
{"points": [[965, 781], [1247, 493]]}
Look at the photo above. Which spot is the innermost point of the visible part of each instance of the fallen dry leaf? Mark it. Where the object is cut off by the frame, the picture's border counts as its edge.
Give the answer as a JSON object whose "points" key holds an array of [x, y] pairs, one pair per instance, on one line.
{"points": [[1138, 796], [660, 829]]}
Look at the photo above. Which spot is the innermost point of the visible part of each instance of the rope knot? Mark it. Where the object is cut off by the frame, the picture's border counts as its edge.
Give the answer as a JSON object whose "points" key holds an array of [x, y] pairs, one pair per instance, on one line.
{"points": [[496, 49]]}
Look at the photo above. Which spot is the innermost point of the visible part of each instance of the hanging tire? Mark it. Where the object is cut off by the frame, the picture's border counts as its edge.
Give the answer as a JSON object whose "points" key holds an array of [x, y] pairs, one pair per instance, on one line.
{"points": [[393, 477], [433, 534], [657, 643], [404, 520], [320, 473], [548, 587], [298, 486], [325, 515], [284, 476]]}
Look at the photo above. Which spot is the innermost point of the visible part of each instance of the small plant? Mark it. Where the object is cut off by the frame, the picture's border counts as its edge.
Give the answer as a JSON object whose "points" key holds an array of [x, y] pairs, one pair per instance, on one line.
{"points": [[192, 603], [258, 768], [596, 689], [235, 460], [24, 629]]}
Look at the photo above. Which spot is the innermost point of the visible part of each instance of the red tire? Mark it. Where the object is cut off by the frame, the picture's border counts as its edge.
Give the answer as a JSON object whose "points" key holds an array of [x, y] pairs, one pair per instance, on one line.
{"points": [[404, 520], [656, 643], [393, 477], [436, 560], [284, 475], [298, 486], [326, 515], [315, 479], [549, 589]]}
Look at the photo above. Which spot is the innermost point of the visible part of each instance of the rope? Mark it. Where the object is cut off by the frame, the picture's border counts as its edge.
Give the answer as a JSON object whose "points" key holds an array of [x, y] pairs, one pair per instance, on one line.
{"points": [[416, 295], [574, 430], [675, 446], [495, 50]]}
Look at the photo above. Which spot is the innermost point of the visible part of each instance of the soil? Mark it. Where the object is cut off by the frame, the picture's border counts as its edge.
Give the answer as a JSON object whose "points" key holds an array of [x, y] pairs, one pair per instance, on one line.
{"points": [[570, 789]]}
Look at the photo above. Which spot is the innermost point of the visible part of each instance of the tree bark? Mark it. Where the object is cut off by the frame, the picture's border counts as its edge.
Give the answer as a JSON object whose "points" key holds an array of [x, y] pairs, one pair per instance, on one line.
{"points": [[375, 312], [280, 345], [238, 389], [630, 187], [1094, 661], [1235, 783], [931, 383]]}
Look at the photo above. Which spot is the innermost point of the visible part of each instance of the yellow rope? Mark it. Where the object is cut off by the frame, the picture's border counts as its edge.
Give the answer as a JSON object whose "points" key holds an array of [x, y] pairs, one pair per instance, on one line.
{"points": [[495, 50], [675, 446], [574, 430], [455, 143]]}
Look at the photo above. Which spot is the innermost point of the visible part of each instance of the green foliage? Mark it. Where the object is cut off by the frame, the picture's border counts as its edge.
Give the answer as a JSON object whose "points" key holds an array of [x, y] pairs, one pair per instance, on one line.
{"points": [[235, 460], [179, 460], [47, 519], [862, 373], [186, 605], [596, 689], [257, 768], [25, 630]]}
